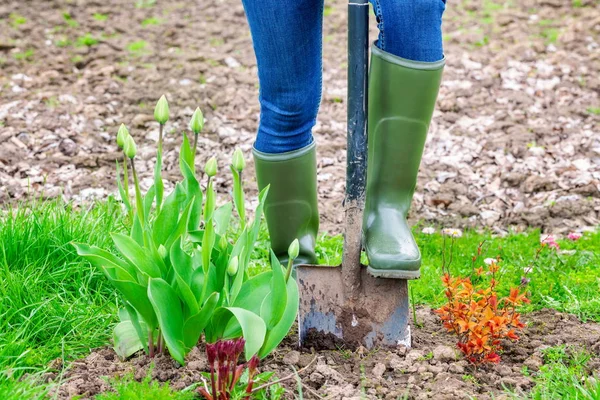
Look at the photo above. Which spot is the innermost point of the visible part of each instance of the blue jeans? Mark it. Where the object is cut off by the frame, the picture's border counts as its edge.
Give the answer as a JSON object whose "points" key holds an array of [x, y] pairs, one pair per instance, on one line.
{"points": [[287, 37]]}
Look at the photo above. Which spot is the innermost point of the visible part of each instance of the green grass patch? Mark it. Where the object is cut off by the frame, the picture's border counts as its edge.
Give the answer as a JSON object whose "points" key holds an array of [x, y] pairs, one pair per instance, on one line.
{"points": [[69, 20], [86, 40], [137, 48], [565, 375], [127, 388], [16, 20], [26, 55], [100, 17], [53, 304], [594, 110], [151, 21]]}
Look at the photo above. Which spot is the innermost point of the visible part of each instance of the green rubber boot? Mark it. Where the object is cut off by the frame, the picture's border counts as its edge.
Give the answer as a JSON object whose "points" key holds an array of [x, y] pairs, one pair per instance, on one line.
{"points": [[402, 95], [291, 206]]}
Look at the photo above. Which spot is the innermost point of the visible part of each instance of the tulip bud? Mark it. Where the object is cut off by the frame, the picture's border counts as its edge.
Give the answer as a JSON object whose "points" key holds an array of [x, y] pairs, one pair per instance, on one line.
{"points": [[129, 147], [122, 135], [197, 121], [223, 243], [211, 167], [162, 252], [161, 111], [294, 249], [232, 268], [238, 161]]}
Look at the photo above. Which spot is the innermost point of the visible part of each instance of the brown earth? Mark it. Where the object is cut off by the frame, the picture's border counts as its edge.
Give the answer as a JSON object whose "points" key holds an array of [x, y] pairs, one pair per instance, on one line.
{"points": [[432, 368], [514, 140]]}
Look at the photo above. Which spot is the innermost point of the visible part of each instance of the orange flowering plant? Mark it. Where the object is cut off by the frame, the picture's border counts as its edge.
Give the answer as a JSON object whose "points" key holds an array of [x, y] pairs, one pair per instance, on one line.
{"points": [[476, 315]]}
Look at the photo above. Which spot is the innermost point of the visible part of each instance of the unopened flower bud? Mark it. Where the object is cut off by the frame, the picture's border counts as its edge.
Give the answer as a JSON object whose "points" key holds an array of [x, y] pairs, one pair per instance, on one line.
{"points": [[232, 268], [161, 111], [211, 167], [129, 147], [294, 249], [162, 252], [197, 121], [238, 161], [122, 135], [223, 243]]}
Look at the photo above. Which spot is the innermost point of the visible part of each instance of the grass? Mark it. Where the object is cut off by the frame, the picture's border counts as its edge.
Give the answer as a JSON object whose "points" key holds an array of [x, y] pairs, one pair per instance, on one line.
{"points": [[127, 388], [565, 375], [54, 306]]}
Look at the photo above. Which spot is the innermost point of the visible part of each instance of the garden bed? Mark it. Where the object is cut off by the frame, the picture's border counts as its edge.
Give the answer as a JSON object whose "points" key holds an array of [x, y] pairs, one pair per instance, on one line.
{"points": [[432, 368]]}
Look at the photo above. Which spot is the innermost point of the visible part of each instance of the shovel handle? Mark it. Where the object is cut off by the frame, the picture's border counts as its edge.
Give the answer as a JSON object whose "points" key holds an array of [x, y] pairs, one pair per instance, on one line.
{"points": [[356, 167]]}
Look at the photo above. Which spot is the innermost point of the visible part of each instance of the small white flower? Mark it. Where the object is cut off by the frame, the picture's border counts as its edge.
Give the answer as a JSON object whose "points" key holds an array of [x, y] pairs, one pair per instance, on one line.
{"points": [[489, 261], [528, 270], [430, 230], [454, 232]]}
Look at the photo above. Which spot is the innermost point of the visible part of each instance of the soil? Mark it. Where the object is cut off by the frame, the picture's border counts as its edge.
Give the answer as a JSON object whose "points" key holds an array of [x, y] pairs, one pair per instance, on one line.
{"points": [[432, 368], [514, 140]]}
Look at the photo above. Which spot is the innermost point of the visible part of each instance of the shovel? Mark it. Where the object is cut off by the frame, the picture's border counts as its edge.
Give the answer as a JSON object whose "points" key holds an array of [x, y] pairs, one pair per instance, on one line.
{"points": [[345, 303]]}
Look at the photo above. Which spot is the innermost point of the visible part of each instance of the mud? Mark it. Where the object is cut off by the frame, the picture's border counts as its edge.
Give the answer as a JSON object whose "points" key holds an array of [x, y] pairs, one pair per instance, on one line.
{"points": [[432, 368]]}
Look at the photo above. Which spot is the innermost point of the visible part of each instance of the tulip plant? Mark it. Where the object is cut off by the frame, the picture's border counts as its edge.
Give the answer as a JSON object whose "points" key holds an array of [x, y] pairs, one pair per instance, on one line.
{"points": [[181, 271]]}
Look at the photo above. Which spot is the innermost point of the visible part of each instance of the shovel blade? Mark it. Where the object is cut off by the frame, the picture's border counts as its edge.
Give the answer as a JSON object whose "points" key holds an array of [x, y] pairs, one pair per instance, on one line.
{"points": [[377, 316]]}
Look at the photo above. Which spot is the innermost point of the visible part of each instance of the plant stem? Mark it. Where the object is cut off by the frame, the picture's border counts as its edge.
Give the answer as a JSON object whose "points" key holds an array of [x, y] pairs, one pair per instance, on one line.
{"points": [[289, 270], [151, 342], [139, 205], [160, 138], [414, 310], [125, 176], [195, 144]]}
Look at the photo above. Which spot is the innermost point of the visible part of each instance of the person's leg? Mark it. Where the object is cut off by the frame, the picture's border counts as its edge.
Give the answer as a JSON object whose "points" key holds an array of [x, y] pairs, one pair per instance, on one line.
{"points": [[406, 70], [287, 37], [410, 29]]}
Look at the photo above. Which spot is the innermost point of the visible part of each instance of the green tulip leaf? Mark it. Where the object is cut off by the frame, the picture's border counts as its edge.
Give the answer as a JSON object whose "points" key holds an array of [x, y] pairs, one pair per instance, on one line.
{"points": [[148, 200], [222, 216], [140, 327], [136, 255], [126, 340], [194, 192], [194, 325], [182, 264], [186, 155], [170, 316], [167, 218], [274, 305], [275, 335], [181, 226], [252, 327]]}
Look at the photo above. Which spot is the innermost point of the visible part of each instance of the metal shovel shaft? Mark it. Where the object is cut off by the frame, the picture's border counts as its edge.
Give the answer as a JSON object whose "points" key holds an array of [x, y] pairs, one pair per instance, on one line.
{"points": [[356, 164]]}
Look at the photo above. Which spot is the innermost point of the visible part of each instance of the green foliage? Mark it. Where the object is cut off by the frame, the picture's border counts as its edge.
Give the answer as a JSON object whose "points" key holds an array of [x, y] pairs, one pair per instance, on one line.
{"points": [[150, 21], [174, 269], [594, 110], [26, 55], [86, 40], [137, 48], [69, 20], [50, 299], [16, 20], [565, 375], [144, 3], [100, 17], [127, 388], [18, 389]]}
